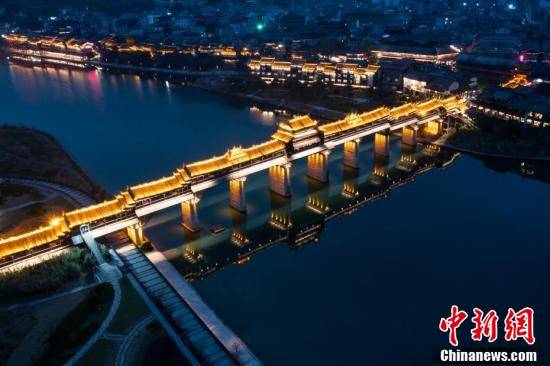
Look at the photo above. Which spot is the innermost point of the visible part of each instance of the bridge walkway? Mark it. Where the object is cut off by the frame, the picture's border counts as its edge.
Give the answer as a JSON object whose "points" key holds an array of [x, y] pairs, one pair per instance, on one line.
{"points": [[207, 349]]}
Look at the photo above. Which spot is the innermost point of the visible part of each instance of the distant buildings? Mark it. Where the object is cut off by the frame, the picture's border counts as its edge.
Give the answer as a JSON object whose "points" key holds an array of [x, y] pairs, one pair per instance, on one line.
{"points": [[523, 104], [490, 65], [49, 50], [417, 53], [437, 82], [340, 74]]}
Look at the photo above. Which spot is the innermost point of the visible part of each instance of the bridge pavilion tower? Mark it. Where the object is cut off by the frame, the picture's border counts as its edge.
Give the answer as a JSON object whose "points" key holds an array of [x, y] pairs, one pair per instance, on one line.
{"points": [[298, 134]]}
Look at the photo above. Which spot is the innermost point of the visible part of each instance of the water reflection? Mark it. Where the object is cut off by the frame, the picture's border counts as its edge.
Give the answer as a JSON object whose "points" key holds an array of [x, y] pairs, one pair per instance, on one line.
{"points": [[297, 225]]}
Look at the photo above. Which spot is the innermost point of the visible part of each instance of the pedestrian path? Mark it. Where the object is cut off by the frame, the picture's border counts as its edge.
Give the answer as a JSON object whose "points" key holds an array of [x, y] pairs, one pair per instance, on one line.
{"points": [[204, 345]]}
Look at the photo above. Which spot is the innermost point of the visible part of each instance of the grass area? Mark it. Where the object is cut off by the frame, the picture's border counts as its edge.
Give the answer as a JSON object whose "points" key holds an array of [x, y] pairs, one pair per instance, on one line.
{"points": [[45, 276], [132, 310], [14, 325], [78, 326]]}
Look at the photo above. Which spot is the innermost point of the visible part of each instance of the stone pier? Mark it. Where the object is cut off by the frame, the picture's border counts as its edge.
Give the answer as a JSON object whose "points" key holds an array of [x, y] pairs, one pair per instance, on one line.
{"points": [[433, 128], [317, 166], [409, 135], [237, 194], [351, 153], [382, 144], [279, 179], [135, 233], [190, 215]]}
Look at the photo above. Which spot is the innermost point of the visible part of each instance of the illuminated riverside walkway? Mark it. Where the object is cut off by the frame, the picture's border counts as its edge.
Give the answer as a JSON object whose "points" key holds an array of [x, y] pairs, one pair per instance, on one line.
{"points": [[299, 226], [298, 138]]}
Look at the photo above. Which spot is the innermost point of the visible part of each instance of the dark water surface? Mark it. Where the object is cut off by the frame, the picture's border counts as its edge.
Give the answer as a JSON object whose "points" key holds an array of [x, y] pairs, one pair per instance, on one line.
{"points": [[372, 289]]}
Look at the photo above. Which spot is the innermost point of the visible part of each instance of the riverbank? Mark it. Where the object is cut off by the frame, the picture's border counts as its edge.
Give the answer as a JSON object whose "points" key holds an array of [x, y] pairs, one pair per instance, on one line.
{"points": [[28, 153], [478, 142], [214, 86]]}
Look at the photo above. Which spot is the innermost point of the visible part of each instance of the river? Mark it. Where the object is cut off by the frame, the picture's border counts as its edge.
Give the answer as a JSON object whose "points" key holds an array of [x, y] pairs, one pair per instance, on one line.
{"points": [[372, 285]]}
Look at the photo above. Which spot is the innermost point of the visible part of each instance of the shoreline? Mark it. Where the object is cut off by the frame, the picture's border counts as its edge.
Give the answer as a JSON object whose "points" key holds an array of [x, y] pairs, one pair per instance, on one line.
{"points": [[296, 107], [442, 142], [54, 147]]}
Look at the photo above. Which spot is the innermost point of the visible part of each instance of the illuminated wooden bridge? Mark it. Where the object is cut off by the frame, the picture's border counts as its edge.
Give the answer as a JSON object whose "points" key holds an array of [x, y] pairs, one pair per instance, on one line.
{"points": [[297, 138]]}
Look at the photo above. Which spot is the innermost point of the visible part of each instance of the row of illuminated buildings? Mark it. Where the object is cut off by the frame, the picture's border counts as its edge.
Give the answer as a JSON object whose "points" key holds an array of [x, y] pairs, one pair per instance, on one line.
{"points": [[529, 105], [339, 74], [50, 50]]}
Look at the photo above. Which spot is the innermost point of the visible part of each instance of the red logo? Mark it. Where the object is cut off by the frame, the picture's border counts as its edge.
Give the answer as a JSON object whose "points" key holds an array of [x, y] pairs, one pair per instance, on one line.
{"points": [[485, 326], [452, 323], [517, 325], [520, 325]]}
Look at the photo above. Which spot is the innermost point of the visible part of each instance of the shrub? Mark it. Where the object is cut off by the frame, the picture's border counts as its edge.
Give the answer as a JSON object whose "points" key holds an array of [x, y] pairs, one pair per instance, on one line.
{"points": [[45, 276]]}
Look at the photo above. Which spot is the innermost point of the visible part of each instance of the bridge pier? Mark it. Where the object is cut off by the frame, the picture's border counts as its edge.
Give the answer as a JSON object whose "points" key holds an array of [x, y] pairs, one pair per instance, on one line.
{"points": [[409, 135], [135, 232], [317, 166], [433, 127], [190, 215], [351, 153], [382, 143], [279, 179], [90, 242], [237, 194]]}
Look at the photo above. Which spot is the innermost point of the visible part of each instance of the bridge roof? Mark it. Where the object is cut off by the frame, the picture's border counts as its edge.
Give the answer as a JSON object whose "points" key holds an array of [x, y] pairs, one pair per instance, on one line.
{"points": [[334, 127], [33, 239], [282, 136], [375, 115], [99, 211], [298, 123], [158, 186], [428, 106], [403, 110], [453, 102], [234, 156], [354, 120]]}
